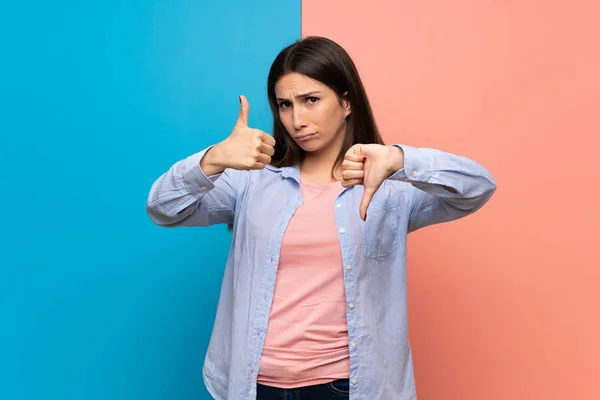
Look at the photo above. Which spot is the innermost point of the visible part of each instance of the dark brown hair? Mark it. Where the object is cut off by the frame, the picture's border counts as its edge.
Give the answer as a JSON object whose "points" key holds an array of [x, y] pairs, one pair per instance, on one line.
{"points": [[325, 61]]}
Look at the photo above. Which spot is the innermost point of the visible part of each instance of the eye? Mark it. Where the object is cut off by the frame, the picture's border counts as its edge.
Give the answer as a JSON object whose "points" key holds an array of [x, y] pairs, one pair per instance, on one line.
{"points": [[312, 100], [284, 104]]}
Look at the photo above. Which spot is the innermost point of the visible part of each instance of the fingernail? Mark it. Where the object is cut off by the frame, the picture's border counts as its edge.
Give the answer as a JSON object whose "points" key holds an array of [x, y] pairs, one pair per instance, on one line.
{"points": [[365, 217], [240, 99], [364, 159]]}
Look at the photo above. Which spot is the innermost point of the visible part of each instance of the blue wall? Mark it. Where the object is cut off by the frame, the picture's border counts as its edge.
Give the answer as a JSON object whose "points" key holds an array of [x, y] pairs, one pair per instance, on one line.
{"points": [[97, 99]]}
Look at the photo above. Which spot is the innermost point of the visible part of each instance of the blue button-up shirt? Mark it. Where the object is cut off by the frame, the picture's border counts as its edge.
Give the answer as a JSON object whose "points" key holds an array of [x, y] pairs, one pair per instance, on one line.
{"points": [[433, 187]]}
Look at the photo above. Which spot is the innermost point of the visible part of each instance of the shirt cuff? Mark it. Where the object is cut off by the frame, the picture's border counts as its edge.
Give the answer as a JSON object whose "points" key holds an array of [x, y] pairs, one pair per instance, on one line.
{"points": [[195, 179], [417, 165]]}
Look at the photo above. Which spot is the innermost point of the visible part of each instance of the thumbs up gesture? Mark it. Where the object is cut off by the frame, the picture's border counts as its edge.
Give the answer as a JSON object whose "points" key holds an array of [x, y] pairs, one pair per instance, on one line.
{"points": [[245, 148], [370, 165]]}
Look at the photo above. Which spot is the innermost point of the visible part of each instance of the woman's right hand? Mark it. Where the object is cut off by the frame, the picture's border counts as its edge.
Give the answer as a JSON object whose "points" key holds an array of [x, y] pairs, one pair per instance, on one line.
{"points": [[244, 149]]}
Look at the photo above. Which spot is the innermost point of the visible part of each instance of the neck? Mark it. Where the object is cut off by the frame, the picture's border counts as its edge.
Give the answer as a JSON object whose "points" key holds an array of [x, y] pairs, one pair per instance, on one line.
{"points": [[316, 166]]}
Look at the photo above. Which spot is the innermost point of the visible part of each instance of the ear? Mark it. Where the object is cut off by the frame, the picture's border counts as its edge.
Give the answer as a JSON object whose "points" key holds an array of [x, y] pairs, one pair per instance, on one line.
{"points": [[346, 104]]}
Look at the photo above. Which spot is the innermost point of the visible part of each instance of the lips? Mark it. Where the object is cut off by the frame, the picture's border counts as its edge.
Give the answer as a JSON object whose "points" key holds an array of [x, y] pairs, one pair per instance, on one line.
{"points": [[306, 136]]}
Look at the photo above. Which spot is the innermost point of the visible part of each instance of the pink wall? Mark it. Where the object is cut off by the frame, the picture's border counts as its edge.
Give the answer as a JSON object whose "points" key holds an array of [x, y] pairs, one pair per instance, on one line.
{"points": [[504, 304]]}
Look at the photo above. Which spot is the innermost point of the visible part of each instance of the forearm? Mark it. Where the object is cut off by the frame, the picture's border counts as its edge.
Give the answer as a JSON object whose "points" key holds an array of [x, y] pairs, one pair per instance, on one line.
{"points": [[179, 191], [442, 174]]}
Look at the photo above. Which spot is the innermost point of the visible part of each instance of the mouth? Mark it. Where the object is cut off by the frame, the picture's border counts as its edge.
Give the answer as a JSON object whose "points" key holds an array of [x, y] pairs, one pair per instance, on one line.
{"points": [[306, 136]]}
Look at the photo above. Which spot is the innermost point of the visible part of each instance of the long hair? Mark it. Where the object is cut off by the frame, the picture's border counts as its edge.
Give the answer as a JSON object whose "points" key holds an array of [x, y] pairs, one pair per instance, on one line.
{"points": [[325, 61]]}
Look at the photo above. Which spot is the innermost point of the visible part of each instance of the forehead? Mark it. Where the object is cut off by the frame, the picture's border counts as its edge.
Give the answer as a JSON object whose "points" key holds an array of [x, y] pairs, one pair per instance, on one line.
{"points": [[295, 83]]}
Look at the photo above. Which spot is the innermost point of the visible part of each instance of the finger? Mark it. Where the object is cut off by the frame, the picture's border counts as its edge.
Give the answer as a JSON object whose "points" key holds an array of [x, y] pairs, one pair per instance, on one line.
{"points": [[268, 139], [366, 200], [351, 182], [266, 149], [353, 174], [354, 157], [354, 153], [347, 164], [263, 158], [244, 112], [258, 165]]}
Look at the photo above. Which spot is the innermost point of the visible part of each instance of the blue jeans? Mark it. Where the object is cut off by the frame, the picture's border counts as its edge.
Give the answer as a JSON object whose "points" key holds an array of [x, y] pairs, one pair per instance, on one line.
{"points": [[336, 390]]}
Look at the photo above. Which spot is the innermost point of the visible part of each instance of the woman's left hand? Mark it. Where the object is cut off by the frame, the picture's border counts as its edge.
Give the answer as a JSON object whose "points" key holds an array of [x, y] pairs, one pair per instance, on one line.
{"points": [[369, 165]]}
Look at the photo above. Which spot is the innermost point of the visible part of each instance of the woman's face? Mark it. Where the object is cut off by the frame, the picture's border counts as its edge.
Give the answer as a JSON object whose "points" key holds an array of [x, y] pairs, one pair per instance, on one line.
{"points": [[311, 113]]}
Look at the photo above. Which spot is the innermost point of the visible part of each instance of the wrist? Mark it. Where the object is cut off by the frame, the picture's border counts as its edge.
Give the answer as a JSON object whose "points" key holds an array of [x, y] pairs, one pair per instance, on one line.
{"points": [[396, 159], [217, 159], [212, 162]]}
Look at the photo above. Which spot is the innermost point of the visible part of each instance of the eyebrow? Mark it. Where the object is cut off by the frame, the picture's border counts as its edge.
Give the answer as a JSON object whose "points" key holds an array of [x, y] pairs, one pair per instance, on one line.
{"points": [[300, 96]]}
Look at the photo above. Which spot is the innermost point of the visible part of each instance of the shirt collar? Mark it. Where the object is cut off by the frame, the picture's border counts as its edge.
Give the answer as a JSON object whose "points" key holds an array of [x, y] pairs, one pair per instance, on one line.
{"points": [[287, 172]]}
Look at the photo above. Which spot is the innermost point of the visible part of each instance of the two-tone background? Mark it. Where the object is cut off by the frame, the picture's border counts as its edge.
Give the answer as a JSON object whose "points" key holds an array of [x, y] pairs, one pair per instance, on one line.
{"points": [[98, 98]]}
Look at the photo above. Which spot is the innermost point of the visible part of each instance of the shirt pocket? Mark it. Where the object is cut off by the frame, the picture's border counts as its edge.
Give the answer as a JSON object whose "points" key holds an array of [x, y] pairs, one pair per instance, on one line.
{"points": [[380, 231]]}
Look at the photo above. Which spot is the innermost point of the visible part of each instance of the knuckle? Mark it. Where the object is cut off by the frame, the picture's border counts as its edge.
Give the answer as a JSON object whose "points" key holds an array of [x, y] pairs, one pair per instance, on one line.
{"points": [[250, 162]]}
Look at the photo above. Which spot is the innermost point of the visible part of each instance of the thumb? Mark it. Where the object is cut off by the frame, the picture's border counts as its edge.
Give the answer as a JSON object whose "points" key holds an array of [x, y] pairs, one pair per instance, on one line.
{"points": [[244, 111], [365, 201]]}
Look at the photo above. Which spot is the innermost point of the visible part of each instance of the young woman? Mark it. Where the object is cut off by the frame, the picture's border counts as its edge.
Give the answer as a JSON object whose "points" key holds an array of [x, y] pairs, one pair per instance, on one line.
{"points": [[313, 300]]}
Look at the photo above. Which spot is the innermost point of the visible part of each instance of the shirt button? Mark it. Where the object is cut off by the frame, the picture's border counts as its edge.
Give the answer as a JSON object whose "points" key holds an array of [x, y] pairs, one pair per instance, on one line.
{"points": [[342, 230], [203, 187], [354, 381], [351, 305], [354, 345], [414, 174], [338, 205], [349, 267]]}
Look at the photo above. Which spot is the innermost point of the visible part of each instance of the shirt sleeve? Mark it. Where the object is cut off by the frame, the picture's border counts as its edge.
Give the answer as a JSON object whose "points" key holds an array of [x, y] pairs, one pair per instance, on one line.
{"points": [[185, 196], [445, 186]]}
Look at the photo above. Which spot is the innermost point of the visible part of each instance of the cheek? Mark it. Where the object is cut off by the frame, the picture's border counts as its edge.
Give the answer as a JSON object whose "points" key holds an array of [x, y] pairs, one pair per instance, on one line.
{"points": [[331, 117], [285, 119]]}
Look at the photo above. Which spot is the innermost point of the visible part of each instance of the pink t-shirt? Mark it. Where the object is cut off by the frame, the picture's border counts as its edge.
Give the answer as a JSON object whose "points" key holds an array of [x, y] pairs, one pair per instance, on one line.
{"points": [[307, 336]]}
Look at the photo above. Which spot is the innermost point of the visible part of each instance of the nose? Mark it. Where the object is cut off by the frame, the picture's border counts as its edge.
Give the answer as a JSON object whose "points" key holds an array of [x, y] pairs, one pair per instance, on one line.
{"points": [[298, 118]]}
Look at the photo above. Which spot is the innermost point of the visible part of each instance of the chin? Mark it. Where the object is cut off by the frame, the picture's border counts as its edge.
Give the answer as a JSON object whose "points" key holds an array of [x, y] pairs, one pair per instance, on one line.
{"points": [[309, 147]]}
